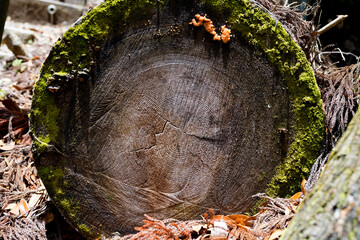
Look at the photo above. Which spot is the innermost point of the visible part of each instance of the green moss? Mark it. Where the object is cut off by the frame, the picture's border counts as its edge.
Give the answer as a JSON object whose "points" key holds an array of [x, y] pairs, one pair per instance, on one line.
{"points": [[85, 229], [53, 177]]}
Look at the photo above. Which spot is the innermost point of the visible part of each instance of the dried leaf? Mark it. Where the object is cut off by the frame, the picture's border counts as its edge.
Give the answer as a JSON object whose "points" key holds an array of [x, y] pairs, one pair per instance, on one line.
{"points": [[7, 147], [276, 234], [296, 196], [198, 227], [34, 199], [219, 231], [23, 206], [15, 210], [10, 206], [303, 186]]}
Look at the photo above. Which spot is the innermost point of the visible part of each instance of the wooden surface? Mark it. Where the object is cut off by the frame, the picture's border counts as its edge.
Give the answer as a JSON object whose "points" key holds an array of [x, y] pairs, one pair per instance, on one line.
{"points": [[178, 126], [167, 122]]}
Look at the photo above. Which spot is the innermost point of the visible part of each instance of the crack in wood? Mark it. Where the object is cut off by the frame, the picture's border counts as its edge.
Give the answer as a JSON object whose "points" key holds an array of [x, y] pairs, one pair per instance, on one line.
{"points": [[163, 130]]}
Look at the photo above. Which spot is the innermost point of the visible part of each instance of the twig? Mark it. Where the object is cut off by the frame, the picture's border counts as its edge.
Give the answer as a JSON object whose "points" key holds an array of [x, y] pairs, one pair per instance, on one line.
{"points": [[342, 54], [333, 23]]}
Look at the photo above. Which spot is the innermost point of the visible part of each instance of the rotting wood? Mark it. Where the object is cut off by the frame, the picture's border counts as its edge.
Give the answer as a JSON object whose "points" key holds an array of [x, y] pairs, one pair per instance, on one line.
{"points": [[156, 117]]}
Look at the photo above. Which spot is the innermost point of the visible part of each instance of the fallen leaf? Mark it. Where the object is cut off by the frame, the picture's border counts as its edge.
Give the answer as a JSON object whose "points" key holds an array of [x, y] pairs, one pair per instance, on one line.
{"points": [[219, 231], [7, 147], [296, 196], [276, 234], [23, 206], [15, 210], [10, 206], [34, 199], [198, 227]]}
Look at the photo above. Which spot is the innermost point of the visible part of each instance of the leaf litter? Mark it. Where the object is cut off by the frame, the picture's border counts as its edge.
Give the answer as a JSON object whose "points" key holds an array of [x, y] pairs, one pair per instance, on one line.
{"points": [[272, 218], [24, 200]]}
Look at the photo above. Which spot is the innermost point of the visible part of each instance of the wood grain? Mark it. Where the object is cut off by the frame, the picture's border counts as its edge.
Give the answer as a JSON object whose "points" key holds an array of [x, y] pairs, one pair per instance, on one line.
{"points": [[171, 126]]}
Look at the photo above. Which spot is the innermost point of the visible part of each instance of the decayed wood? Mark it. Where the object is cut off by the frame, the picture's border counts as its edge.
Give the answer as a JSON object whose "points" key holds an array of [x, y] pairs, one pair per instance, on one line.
{"points": [[331, 211], [162, 121]]}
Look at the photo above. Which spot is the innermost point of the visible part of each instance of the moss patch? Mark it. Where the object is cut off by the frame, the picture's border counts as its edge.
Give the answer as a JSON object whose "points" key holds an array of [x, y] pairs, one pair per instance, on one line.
{"points": [[56, 185]]}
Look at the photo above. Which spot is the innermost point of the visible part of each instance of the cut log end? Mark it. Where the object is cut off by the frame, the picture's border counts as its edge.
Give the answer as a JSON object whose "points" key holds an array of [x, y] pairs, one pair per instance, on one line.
{"points": [[167, 123]]}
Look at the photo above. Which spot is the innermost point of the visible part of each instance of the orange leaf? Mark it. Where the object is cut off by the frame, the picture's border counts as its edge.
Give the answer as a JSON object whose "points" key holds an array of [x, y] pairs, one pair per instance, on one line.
{"points": [[303, 186], [23, 206], [296, 196], [242, 219]]}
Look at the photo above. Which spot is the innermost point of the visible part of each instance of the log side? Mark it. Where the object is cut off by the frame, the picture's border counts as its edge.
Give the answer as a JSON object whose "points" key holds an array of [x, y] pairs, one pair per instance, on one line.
{"points": [[75, 91], [331, 210]]}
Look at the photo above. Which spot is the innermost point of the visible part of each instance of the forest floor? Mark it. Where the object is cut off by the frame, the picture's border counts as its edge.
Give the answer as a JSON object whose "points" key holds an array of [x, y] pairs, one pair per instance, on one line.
{"points": [[26, 211]]}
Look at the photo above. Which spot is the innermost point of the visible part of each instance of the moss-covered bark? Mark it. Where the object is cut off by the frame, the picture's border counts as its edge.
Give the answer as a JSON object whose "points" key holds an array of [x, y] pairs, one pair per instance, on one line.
{"points": [[332, 209]]}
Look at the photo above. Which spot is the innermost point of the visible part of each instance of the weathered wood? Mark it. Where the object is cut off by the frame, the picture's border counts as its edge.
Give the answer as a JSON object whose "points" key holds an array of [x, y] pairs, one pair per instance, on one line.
{"points": [[37, 10], [136, 111], [331, 211]]}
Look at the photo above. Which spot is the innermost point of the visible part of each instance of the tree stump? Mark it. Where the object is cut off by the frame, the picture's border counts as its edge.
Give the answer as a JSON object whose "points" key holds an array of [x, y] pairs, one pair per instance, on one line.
{"points": [[137, 112], [331, 210]]}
